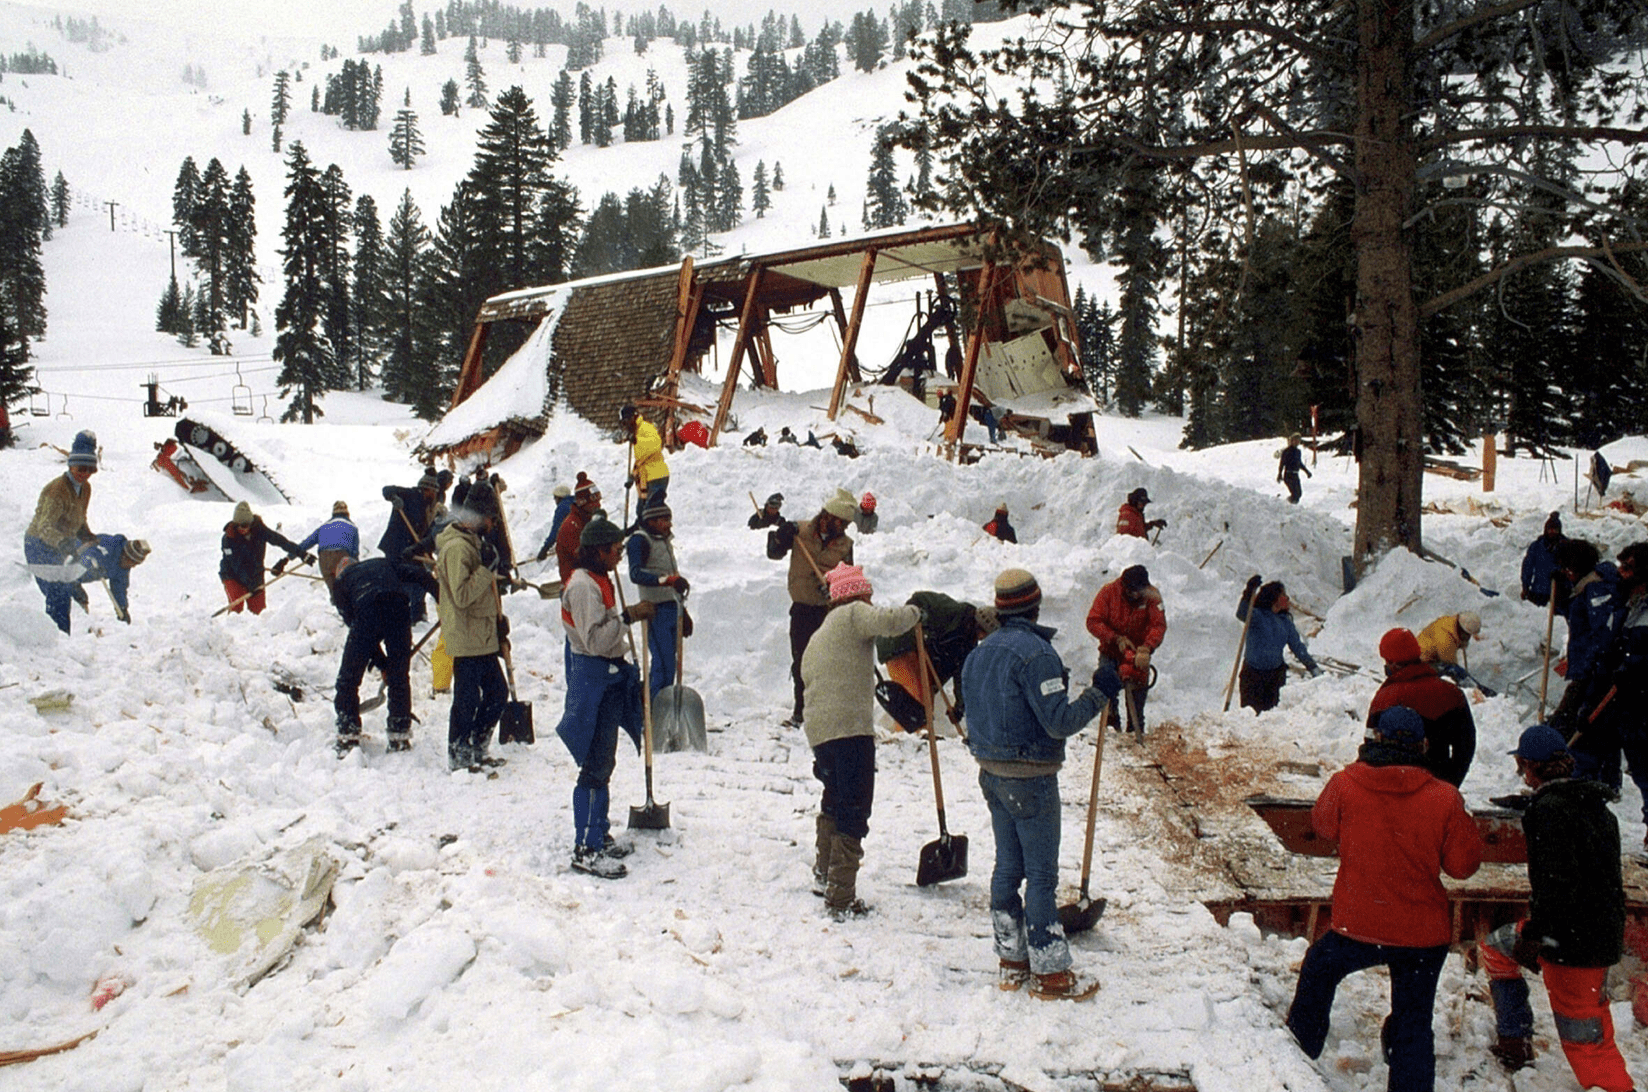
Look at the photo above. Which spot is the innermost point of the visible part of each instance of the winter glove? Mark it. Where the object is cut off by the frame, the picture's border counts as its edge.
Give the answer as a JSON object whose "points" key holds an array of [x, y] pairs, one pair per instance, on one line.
{"points": [[1528, 947], [1141, 659], [279, 567], [503, 628], [1124, 645], [678, 583], [1315, 672], [499, 485], [686, 623], [397, 504], [1253, 583], [629, 482], [309, 559], [637, 612], [786, 534], [1155, 524], [543, 553], [1561, 667], [489, 555]]}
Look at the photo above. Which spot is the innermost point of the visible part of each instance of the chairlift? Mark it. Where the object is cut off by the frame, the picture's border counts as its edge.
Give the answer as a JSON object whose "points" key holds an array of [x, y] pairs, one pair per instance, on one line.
{"points": [[240, 398], [64, 414], [39, 403], [264, 418]]}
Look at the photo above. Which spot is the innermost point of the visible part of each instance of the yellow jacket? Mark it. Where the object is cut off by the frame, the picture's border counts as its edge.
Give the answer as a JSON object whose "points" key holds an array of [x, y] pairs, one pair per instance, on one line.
{"points": [[1440, 641], [649, 453]]}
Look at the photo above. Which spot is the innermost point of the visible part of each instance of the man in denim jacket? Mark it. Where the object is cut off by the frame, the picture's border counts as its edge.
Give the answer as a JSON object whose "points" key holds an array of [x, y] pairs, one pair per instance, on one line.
{"points": [[1019, 714]]}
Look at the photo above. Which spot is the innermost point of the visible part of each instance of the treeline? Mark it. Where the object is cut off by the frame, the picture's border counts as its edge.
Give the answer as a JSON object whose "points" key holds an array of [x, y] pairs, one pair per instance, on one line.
{"points": [[366, 302], [1556, 353], [29, 63]]}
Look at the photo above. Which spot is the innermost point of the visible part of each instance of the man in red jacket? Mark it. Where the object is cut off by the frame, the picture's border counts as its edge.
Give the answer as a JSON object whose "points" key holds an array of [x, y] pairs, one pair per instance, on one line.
{"points": [[1450, 730], [1130, 516], [1127, 618], [1397, 827]]}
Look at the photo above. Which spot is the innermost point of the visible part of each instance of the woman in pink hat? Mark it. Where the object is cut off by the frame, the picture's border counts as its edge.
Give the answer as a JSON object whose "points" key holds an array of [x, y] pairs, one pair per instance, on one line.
{"points": [[838, 672]]}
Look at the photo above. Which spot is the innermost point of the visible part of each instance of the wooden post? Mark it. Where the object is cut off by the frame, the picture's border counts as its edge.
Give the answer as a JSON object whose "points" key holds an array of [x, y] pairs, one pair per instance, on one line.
{"points": [[739, 345], [684, 314], [764, 351], [950, 329], [850, 340], [841, 328], [1490, 462], [469, 374], [969, 368]]}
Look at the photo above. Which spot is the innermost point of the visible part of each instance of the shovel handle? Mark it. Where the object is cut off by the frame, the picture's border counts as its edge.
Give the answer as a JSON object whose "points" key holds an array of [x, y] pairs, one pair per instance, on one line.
{"points": [[646, 703], [1093, 800], [932, 735], [1241, 647]]}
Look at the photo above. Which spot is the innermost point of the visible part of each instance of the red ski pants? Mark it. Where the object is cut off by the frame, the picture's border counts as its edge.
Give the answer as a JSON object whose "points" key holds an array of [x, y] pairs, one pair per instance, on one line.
{"points": [[1578, 1003], [235, 591]]}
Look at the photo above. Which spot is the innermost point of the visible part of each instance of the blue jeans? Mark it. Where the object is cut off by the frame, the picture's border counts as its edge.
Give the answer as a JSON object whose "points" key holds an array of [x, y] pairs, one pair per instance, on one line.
{"points": [[846, 768], [1413, 973], [661, 642], [590, 795], [1024, 815], [478, 695], [103, 563]]}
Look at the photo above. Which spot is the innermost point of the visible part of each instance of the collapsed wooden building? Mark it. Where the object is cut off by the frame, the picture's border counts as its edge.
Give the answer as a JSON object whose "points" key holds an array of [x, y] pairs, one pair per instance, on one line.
{"points": [[604, 341]]}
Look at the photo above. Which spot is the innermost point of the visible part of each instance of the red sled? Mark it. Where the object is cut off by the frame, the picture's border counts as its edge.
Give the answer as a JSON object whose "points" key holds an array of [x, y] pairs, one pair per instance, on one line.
{"points": [[167, 459]]}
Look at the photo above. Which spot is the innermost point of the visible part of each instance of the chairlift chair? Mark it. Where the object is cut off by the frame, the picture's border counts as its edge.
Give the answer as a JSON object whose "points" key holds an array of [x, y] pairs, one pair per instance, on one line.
{"points": [[264, 418], [64, 414], [39, 403], [240, 397]]}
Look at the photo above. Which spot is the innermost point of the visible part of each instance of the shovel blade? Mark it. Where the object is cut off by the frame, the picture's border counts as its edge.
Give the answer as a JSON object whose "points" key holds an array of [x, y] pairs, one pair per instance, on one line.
{"points": [[649, 816], [944, 858], [678, 720], [515, 726], [1081, 915]]}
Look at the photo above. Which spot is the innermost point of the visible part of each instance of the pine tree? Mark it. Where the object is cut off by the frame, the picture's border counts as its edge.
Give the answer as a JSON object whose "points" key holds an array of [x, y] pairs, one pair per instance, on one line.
{"points": [[281, 104], [301, 346], [778, 177], [246, 123], [884, 200], [337, 229], [367, 290], [405, 142], [188, 309], [241, 277], [275, 135], [760, 201], [449, 99], [208, 244], [60, 200], [513, 50], [169, 314], [184, 192], [586, 109], [729, 195], [474, 78], [866, 41], [15, 373], [561, 99], [426, 48], [824, 222], [403, 331]]}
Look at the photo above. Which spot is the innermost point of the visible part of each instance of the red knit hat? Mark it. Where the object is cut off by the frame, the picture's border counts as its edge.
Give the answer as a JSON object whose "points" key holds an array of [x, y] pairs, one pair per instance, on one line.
{"points": [[847, 582], [1399, 646]]}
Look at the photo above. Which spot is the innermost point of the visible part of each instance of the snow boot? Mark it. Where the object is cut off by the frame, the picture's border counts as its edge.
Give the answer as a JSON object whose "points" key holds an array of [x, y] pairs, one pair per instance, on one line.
{"points": [[1514, 1052], [821, 860], [348, 734], [400, 733], [617, 848], [1064, 986], [1013, 975], [596, 863], [461, 758], [841, 887]]}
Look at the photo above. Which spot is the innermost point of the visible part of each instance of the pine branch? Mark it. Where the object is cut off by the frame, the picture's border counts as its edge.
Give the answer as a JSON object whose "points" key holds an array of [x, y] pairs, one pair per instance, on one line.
{"points": [[1520, 262]]}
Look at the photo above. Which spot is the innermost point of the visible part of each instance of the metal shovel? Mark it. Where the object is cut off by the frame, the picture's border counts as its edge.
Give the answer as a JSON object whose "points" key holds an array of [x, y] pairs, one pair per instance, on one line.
{"points": [[680, 709], [944, 858], [1085, 912], [649, 816]]}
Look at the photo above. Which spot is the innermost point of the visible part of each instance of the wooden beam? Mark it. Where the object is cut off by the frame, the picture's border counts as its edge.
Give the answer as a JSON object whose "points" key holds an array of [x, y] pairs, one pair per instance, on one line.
{"points": [[969, 367], [950, 330], [849, 341], [841, 328], [764, 351], [739, 345], [469, 373], [683, 331]]}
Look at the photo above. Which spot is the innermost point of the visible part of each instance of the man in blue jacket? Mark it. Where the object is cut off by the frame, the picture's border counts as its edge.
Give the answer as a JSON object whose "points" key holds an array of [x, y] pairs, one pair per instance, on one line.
{"points": [[1019, 714], [1593, 614], [1539, 565], [371, 596]]}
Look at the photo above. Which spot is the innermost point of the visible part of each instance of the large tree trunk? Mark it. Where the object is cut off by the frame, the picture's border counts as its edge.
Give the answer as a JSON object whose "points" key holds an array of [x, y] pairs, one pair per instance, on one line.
{"points": [[1387, 318]]}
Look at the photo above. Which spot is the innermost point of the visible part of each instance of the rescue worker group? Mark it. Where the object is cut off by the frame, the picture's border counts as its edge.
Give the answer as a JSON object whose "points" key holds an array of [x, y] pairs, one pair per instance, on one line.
{"points": [[1396, 813]]}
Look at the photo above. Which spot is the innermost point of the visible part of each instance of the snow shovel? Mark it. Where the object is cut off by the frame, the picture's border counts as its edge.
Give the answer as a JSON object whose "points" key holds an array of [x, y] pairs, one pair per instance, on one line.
{"points": [[515, 725], [680, 709], [1085, 912], [649, 816], [946, 857]]}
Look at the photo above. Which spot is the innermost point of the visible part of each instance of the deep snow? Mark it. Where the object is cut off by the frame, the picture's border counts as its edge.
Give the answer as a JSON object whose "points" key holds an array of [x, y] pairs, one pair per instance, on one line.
{"points": [[460, 943]]}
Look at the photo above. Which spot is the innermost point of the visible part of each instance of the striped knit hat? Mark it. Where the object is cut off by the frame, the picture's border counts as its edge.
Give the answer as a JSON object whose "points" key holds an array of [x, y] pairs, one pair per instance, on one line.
{"points": [[847, 582], [1016, 592], [340, 508]]}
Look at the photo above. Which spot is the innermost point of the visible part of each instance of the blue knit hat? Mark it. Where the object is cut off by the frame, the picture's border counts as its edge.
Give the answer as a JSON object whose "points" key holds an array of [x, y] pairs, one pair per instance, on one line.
{"points": [[1541, 743], [1399, 724], [83, 452]]}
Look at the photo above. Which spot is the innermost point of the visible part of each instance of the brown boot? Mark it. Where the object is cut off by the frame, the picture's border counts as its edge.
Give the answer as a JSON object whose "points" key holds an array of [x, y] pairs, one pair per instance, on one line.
{"points": [[1514, 1052], [841, 892], [821, 860], [1013, 975], [1064, 986]]}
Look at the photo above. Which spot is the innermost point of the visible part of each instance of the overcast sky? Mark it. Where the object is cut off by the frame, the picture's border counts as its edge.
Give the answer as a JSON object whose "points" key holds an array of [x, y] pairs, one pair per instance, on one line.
{"points": [[342, 21]]}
